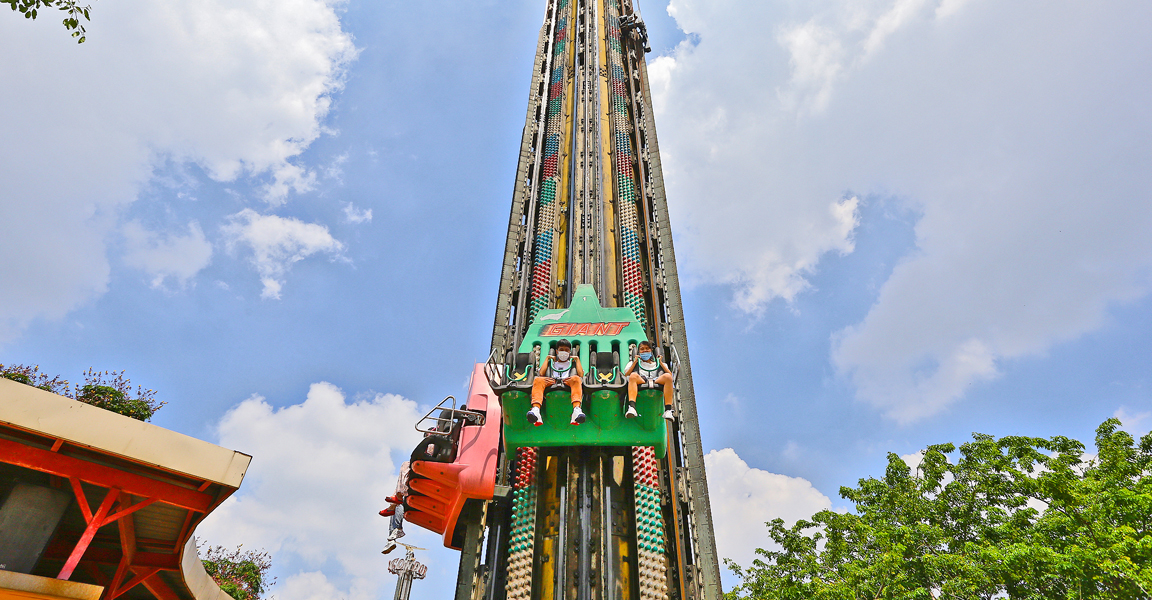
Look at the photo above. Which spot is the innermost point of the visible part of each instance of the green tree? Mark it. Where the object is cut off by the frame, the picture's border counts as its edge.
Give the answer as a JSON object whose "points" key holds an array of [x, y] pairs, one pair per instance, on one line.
{"points": [[72, 9], [241, 574], [1015, 517]]}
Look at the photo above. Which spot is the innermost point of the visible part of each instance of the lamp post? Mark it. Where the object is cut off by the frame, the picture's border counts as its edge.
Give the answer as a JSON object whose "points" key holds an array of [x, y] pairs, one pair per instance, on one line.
{"points": [[407, 569]]}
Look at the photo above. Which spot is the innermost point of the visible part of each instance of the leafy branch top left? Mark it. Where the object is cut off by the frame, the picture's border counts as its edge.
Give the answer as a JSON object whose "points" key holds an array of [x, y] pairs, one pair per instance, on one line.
{"points": [[72, 9]]}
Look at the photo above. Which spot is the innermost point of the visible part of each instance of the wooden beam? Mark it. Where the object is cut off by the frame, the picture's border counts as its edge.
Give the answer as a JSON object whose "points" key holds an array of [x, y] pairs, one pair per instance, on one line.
{"points": [[53, 463]]}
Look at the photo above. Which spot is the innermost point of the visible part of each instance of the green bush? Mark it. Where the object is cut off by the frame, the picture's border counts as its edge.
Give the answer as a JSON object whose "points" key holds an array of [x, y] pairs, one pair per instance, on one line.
{"points": [[108, 390], [18, 377], [110, 398], [33, 377], [242, 575]]}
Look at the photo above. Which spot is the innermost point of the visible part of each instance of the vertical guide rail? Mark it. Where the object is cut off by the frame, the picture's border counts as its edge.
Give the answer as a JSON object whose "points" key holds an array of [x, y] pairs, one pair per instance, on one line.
{"points": [[585, 207], [505, 332], [699, 517], [514, 282], [522, 533], [631, 269], [551, 190]]}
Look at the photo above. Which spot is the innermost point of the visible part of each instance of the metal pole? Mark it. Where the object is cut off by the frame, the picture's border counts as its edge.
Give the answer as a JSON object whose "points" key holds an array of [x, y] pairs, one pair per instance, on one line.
{"points": [[407, 569]]}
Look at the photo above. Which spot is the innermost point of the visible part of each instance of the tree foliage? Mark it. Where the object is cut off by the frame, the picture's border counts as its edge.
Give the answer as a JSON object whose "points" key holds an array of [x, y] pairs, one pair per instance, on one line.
{"points": [[241, 574], [72, 9], [1015, 517], [109, 390]]}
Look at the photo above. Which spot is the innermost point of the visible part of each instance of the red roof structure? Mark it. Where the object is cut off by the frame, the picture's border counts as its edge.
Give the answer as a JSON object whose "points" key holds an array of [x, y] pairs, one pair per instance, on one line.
{"points": [[98, 503]]}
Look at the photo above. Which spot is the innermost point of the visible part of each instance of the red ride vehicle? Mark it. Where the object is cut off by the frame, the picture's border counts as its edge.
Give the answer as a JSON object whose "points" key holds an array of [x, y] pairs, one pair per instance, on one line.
{"points": [[453, 469]]}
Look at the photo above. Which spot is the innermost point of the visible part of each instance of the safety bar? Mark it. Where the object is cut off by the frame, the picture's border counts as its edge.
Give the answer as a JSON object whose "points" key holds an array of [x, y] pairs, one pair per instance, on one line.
{"points": [[493, 370], [473, 418]]}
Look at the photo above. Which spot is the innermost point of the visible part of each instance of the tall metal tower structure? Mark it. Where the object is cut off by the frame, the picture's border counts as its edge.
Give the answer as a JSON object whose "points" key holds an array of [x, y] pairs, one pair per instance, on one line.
{"points": [[588, 208]]}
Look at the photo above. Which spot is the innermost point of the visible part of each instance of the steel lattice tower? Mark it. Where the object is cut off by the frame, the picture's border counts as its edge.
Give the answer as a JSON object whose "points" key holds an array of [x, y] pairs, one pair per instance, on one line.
{"points": [[589, 207]]}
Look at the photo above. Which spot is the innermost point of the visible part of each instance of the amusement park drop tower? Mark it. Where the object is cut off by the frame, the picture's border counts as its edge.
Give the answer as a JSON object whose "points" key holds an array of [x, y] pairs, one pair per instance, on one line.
{"points": [[612, 509]]}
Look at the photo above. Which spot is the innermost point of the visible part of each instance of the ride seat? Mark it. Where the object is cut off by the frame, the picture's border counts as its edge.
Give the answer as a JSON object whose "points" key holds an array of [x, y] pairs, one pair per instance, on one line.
{"points": [[440, 444], [604, 372], [515, 372], [520, 369]]}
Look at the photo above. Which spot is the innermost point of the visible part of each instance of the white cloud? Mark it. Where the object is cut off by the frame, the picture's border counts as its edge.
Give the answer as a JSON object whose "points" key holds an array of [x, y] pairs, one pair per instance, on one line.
{"points": [[744, 498], [1022, 139], [335, 169], [311, 585], [238, 87], [166, 255], [320, 472], [355, 215], [913, 460], [1135, 423], [277, 243]]}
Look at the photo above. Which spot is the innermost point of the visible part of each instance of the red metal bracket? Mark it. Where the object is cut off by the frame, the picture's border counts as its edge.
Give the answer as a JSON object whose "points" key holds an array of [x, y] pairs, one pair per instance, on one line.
{"points": [[141, 573], [21, 455], [158, 588]]}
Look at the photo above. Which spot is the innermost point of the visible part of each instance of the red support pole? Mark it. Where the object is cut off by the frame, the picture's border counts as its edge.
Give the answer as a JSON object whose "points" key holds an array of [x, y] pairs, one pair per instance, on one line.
{"points": [[128, 550], [127, 511], [81, 499], [89, 533]]}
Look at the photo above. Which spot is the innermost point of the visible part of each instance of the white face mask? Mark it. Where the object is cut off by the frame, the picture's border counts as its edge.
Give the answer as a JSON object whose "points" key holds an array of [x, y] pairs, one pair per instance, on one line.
{"points": [[562, 355]]}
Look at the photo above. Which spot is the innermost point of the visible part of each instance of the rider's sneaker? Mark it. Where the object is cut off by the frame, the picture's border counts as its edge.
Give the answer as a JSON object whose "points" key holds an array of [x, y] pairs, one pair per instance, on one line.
{"points": [[577, 415], [631, 412], [534, 416], [396, 534], [389, 547], [668, 414]]}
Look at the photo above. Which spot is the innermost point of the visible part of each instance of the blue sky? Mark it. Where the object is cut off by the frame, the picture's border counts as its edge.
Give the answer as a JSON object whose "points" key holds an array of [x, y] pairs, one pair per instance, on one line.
{"points": [[898, 222]]}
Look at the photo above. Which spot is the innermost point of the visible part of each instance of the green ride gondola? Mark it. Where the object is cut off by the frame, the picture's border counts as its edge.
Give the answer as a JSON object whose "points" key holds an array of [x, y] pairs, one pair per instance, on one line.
{"points": [[600, 336]]}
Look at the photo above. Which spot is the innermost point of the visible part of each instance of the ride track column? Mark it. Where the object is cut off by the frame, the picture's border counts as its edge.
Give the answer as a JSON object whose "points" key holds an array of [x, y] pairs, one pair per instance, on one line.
{"points": [[522, 537], [552, 193]]}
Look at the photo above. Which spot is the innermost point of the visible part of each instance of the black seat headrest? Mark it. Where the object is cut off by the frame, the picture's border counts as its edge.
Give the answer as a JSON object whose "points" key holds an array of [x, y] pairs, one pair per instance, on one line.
{"points": [[604, 361]]}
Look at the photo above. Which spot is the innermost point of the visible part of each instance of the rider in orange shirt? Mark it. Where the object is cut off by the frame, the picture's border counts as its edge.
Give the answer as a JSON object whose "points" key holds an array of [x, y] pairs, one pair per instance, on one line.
{"points": [[565, 367]]}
